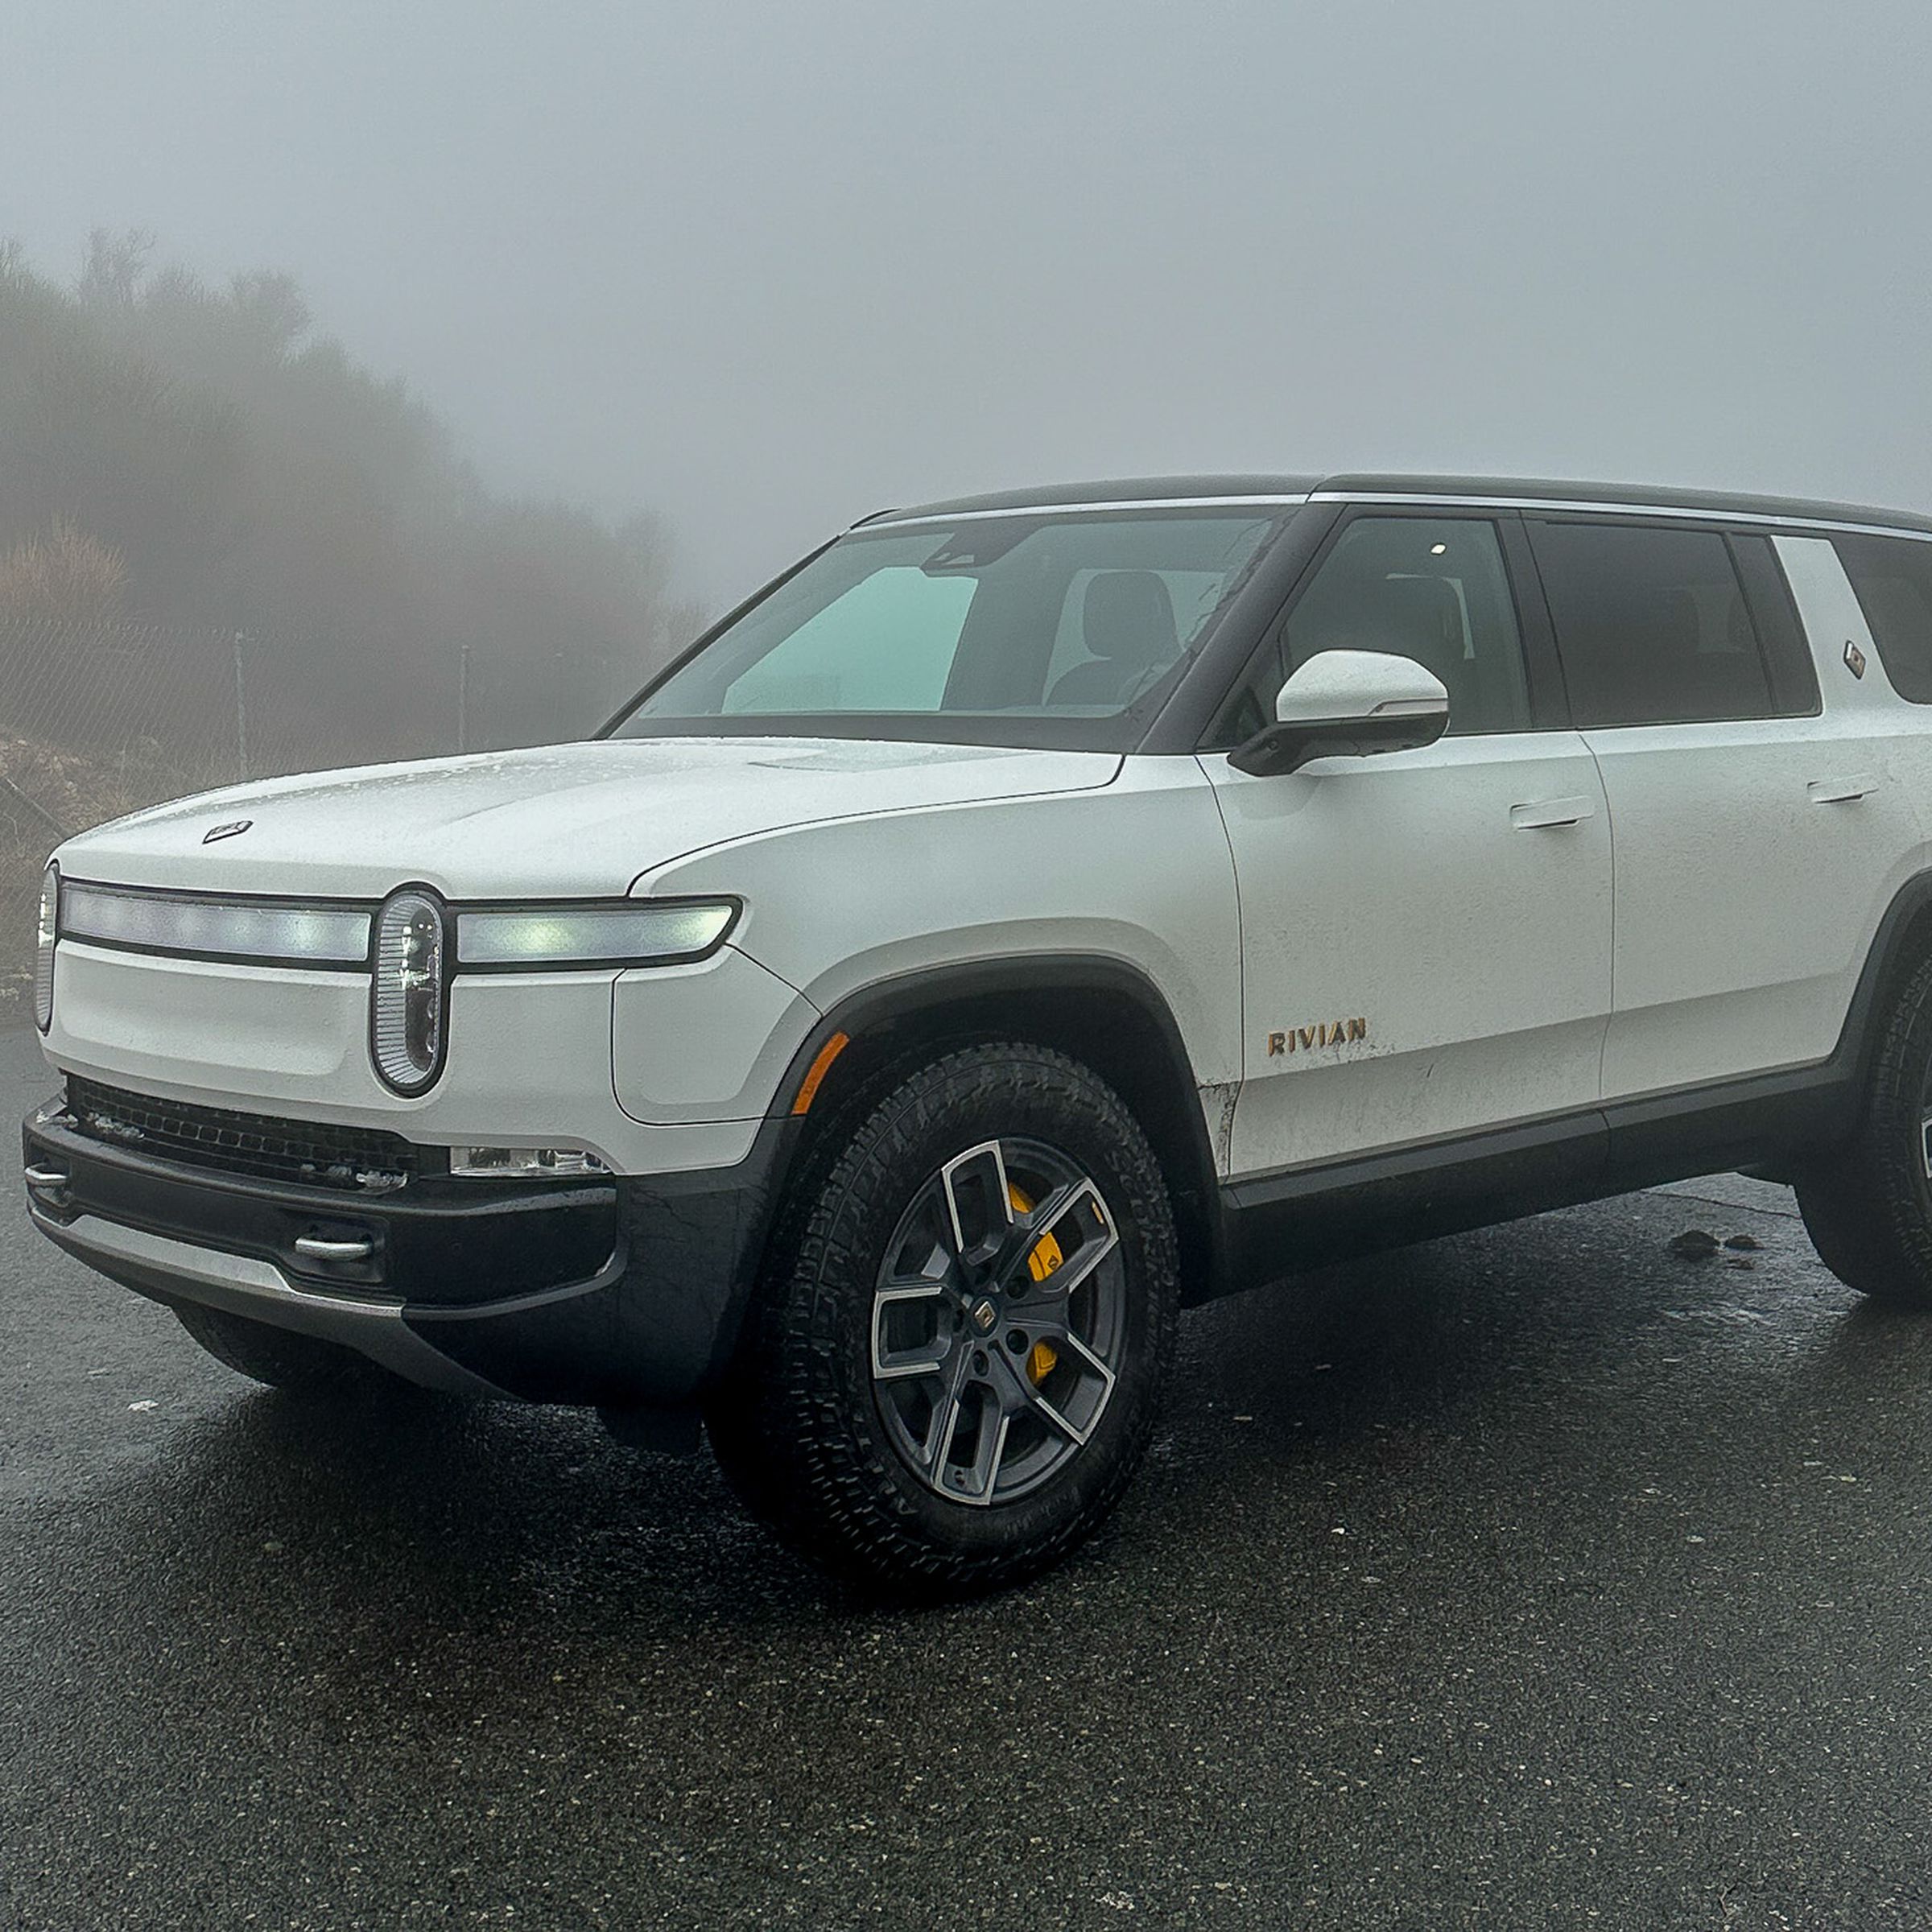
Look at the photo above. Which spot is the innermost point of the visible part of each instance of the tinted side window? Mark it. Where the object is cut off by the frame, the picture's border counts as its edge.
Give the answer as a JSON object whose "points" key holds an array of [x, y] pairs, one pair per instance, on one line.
{"points": [[1653, 625], [1893, 577]]}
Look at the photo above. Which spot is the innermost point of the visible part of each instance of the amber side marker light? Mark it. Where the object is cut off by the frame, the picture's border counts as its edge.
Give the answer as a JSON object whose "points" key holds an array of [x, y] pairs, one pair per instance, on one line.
{"points": [[815, 1074]]}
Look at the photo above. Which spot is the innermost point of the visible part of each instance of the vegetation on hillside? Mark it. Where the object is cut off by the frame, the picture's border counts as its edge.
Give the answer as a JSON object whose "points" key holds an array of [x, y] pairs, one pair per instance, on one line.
{"points": [[177, 454]]}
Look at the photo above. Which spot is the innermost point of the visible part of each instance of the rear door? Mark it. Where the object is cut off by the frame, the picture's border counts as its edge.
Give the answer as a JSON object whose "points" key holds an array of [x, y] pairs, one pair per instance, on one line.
{"points": [[1756, 830]]}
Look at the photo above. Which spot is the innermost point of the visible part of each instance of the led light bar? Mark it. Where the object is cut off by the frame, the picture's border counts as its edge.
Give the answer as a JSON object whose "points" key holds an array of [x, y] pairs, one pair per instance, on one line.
{"points": [[638, 933], [215, 928]]}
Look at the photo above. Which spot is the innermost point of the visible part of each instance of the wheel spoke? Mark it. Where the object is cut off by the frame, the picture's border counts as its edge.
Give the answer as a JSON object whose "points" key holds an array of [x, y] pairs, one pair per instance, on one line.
{"points": [[1077, 1437], [889, 1363], [979, 1202], [943, 1425], [1098, 1363], [995, 1420], [1016, 1390], [1080, 1204]]}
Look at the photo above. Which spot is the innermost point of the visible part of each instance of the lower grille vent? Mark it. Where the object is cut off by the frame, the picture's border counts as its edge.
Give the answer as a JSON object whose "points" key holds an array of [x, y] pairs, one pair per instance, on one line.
{"points": [[354, 1160]]}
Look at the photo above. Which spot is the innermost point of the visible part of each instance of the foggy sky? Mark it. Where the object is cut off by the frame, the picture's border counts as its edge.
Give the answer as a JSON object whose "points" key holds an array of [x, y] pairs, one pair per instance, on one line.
{"points": [[765, 268]]}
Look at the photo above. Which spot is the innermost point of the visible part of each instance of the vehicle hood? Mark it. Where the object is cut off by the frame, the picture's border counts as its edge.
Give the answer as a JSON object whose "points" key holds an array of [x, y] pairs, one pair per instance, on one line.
{"points": [[580, 820]]}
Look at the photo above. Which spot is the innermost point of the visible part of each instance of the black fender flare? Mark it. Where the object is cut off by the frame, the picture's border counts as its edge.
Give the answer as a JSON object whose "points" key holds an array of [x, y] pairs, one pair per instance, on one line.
{"points": [[891, 1005]]}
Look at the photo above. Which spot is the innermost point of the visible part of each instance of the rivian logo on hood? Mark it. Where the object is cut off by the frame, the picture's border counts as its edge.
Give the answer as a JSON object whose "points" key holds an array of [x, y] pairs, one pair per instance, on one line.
{"points": [[234, 829]]}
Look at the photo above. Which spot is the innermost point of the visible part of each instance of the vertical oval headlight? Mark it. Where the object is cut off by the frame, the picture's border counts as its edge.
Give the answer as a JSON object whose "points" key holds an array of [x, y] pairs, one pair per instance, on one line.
{"points": [[48, 932], [406, 1014]]}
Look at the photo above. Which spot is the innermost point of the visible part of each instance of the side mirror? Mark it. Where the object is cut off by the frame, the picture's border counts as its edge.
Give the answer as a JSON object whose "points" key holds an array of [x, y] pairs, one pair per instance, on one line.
{"points": [[1347, 703]]}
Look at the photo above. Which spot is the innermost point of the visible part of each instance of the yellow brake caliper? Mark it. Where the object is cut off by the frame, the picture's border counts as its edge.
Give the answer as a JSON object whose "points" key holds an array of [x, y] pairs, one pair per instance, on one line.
{"points": [[1045, 1257]]}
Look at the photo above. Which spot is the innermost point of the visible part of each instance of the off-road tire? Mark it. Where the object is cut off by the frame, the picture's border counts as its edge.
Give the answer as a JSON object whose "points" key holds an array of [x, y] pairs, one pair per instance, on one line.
{"points": [[1868, 1207], [301, 1364], [797, 1429]]}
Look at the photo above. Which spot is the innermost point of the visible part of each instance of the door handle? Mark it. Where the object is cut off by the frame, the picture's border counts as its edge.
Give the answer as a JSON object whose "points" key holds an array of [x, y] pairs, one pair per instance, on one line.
{"points": [[1840, 792], [1551, 811]]}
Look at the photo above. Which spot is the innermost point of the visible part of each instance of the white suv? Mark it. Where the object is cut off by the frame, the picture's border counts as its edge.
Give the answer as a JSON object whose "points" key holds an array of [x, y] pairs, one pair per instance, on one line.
{"points": [[1029, 916]]}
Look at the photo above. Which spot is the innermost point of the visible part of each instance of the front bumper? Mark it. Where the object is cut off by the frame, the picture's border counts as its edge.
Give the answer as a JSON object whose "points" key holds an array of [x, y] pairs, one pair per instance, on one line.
{"points": [[624, 1293]]}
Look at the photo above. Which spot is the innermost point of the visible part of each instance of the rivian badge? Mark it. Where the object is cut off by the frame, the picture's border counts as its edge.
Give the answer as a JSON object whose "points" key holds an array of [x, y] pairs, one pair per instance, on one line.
{"points": [[234, 829]]}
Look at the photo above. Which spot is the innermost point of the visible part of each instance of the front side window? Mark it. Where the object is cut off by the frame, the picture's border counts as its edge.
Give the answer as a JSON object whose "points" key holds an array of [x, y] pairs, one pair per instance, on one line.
{"points": [[1653, 625], [1071, 624], [1432, 588], [1893, 577]]}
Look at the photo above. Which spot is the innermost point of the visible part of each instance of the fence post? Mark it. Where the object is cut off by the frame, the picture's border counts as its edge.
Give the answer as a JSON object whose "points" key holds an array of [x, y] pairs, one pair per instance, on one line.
{"points": [[463, 700], [241, 716]]}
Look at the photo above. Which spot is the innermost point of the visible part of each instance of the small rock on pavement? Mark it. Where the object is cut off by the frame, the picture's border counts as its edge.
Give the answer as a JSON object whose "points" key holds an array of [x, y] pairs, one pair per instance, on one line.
{"points": [[1695, 1245], [1749, 1242]]}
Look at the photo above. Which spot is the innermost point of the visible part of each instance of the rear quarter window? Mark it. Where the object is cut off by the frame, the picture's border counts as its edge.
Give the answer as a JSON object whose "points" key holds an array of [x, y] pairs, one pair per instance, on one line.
{"points": [[1893, 577]]}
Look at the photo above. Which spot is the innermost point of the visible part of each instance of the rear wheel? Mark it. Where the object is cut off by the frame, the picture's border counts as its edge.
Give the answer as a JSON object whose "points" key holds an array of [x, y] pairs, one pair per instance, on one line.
{"points": [[301, 1362], [1868, 1208], [953, 1366]]}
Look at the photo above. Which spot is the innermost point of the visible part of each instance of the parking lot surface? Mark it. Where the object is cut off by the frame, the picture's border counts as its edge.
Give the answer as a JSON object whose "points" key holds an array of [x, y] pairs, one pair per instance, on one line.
{"points": [[1537, 1577]]}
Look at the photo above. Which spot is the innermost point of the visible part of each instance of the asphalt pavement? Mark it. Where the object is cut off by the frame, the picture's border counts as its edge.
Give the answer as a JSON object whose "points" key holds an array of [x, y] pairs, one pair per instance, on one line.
{"points": [[1536, 1579]]}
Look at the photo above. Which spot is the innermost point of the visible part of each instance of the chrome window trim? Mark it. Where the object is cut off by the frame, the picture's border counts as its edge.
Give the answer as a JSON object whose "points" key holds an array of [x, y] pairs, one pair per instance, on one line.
{"points": [[1566, 507], [890, 520]]}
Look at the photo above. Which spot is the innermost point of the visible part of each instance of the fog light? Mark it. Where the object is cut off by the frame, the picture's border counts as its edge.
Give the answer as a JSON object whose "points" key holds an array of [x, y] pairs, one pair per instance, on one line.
{"points": [[523, 1163]]}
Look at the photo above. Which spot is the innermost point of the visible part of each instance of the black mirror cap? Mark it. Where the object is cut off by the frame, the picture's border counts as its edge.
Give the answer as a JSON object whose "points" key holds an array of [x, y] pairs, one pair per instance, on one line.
{"points": [[1278, 750]]}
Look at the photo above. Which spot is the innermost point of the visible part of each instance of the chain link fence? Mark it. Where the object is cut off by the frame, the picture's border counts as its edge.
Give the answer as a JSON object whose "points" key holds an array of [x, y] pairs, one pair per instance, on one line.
{"points": [[97, 719]]}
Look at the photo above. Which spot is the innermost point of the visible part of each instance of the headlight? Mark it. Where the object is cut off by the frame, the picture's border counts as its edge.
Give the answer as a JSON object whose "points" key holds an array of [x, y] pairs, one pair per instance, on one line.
{"points": [[406, 997], [43, 947], [640, 933]]}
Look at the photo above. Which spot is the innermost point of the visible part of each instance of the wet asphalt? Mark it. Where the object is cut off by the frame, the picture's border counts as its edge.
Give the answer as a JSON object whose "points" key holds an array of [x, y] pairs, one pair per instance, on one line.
{"points": [[1534, 1578]]}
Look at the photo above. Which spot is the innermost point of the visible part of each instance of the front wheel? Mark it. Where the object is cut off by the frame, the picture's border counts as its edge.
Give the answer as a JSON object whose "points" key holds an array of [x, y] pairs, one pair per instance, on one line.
{"points": [[953, 1366]]}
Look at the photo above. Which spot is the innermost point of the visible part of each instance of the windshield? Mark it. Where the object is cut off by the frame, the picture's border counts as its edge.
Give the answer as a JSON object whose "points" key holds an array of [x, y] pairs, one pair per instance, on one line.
{"points": [[1028, 628]]}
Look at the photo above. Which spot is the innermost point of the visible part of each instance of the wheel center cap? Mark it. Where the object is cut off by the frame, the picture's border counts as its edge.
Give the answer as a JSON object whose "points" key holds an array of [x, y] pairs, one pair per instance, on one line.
{"points": [[984, 1315]]}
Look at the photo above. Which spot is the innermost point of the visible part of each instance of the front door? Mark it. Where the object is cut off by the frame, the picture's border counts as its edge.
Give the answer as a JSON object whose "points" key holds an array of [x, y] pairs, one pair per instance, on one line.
{"points": [[1426, 933]]}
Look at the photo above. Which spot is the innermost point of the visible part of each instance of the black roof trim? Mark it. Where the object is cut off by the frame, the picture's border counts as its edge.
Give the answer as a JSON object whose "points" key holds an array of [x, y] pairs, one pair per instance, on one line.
{"points": [[1643, 496], [1502, 490]]}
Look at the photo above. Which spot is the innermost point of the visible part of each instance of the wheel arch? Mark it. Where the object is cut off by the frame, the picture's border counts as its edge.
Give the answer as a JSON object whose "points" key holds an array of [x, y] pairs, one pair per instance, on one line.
{"points": [[1903, 938], [1105, 1013]]}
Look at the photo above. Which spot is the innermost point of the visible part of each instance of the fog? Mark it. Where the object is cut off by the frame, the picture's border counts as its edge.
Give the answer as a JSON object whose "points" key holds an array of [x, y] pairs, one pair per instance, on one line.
{"points": [[762, 269]]}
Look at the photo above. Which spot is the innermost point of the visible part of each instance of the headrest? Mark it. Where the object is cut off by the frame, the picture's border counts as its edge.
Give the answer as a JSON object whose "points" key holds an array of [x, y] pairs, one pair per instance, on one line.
{"points": [[1128, 618], [1412, 617]]}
